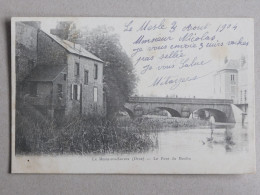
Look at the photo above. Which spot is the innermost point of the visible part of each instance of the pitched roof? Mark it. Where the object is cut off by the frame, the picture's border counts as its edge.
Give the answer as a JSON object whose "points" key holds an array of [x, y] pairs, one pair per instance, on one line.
{"points": [[73, 47], [45, 73], [233, 64]]}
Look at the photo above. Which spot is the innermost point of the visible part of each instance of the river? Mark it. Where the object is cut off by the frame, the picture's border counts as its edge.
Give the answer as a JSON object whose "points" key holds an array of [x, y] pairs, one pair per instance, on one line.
{"points": [[220, 138]]}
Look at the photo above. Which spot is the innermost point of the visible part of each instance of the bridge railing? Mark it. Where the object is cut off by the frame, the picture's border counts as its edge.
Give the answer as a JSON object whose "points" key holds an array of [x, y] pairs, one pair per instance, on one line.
{"points": [[178, 100]]}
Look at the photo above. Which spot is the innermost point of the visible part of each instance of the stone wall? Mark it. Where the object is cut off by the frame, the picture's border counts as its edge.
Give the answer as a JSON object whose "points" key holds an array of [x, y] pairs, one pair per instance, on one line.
{"points": [[87, 90], [50, 53]]}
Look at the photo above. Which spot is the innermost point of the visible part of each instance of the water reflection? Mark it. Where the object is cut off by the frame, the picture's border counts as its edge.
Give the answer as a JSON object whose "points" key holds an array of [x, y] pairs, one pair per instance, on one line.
{"points": [[221, 138], [234, 137]]}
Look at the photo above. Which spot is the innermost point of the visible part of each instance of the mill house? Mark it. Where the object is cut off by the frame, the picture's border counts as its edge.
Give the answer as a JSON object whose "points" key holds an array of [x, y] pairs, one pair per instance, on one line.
{"points": [[66, 79]]}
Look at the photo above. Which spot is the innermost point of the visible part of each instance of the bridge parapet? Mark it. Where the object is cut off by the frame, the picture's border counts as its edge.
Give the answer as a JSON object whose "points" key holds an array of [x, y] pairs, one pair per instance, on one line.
{"points": [[178, 100]]}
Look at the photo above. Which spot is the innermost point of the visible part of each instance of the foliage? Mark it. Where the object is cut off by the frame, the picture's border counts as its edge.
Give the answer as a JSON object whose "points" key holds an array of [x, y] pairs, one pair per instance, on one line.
{"points": [[174, 122], [79, 135], [66, 30], [119, 77]]}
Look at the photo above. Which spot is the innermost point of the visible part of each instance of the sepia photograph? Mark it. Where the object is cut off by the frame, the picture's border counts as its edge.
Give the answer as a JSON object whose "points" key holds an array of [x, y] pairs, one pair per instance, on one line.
{"points": [[133, 95]]}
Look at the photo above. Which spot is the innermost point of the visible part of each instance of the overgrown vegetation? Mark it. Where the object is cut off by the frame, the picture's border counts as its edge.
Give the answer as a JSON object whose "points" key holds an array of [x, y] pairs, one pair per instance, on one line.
{"points": [[37, 135], [80, 135], [174, 122]]}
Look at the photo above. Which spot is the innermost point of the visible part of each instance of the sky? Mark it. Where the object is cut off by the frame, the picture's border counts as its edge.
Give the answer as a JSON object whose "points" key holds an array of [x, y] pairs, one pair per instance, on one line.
{"points": [[213, 57]]}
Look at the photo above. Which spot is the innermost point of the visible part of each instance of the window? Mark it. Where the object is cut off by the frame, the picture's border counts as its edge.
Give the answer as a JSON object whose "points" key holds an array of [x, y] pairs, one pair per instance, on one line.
{"points": [[75, 92], [232, 78], [65, 77], [60, 92], [33, 89], [95, 94], [245, 96], [76, 69], [241, 96], [95, 71], [86, 77]]}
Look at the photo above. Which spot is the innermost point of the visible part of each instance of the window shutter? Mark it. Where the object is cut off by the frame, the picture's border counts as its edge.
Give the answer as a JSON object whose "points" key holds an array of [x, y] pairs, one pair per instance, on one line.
{"points": [[78, 95], [71, 91], [95, 94]]}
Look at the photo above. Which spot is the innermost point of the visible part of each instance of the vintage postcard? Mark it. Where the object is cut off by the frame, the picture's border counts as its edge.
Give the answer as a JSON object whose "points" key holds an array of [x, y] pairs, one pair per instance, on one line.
{"points": [[133, 95]]}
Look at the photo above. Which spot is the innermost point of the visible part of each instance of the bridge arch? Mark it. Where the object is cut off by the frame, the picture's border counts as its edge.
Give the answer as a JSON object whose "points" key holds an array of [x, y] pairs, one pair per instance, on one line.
{"points": [[218, 115], [173, 112], [129, 112]]}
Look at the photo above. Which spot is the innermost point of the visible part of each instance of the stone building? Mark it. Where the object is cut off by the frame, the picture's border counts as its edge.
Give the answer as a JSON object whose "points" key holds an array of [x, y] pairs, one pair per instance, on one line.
{"points": [[231, 82], [65, 79]]}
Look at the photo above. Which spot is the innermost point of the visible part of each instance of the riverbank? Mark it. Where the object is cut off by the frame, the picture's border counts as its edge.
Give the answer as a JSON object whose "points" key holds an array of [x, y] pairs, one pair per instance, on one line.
{"points": [[173, 122], [38, 135]]}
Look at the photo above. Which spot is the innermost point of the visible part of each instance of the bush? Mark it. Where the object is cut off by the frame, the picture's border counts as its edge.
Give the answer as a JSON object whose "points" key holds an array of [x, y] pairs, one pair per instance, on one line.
{"points": [[174, 122]]}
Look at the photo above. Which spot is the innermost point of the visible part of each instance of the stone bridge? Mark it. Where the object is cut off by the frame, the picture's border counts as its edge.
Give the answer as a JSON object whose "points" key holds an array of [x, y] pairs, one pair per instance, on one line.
{"points": [[221, 109]]}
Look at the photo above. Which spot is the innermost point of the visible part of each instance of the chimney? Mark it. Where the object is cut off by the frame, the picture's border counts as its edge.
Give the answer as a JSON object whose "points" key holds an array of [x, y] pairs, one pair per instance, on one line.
{"points": [[226, 60]]}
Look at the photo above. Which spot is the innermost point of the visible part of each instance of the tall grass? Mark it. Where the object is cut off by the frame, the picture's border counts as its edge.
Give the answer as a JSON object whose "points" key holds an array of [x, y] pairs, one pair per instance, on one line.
{"points": [[80, 135]]}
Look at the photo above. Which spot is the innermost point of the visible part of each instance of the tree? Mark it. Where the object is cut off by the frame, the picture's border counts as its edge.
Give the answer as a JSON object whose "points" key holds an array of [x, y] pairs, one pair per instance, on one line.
{"points": [[119, 77], [66, 30]]}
